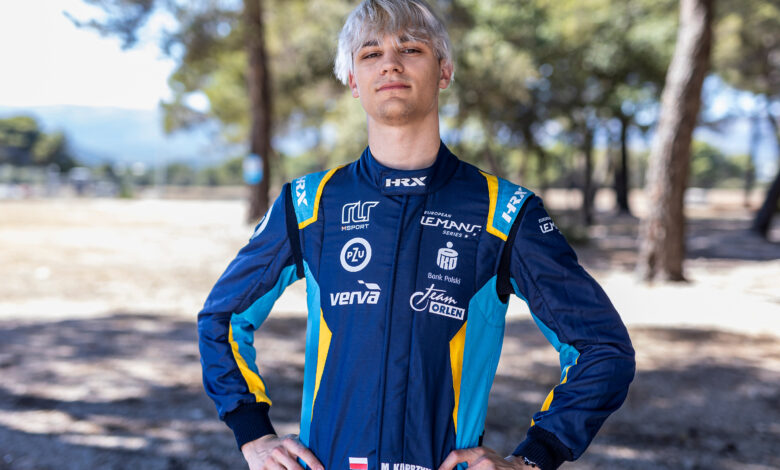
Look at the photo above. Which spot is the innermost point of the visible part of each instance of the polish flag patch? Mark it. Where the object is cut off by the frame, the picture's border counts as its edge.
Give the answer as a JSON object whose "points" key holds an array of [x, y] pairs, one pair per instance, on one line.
{"points": [[358, 463]]}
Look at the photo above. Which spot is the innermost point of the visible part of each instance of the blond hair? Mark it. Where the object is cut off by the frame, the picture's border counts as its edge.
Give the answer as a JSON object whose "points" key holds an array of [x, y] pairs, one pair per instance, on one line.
{"points": [[373, 19]]}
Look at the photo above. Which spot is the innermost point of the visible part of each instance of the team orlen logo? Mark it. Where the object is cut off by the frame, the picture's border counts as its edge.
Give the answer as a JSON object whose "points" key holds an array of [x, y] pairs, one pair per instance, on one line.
{"points": [[436, 301], [355, 254], [405, 182], [356, 215], [368, 296]]}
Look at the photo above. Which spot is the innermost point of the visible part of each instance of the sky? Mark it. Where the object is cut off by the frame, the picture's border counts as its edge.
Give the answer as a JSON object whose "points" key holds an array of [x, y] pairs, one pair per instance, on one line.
{"points": [[46, 60]]}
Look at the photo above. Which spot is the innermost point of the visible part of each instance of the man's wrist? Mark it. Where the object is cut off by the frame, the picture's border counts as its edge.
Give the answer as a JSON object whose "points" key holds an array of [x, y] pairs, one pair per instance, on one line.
{"points": [[249, 422]]}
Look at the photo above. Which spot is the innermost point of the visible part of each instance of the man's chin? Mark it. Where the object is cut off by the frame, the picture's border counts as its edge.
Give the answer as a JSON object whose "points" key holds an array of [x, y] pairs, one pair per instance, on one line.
{"points": [[395, 113]]}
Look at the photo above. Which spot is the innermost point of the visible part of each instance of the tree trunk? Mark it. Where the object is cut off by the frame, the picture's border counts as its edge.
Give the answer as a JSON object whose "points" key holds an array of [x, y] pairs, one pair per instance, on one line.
{"points": [[662, 233], [259, 87], [763, 218], [621, 171], [588, 191]]}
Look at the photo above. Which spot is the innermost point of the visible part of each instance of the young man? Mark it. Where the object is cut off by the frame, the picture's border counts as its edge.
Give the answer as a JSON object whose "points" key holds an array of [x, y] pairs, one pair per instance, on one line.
{"points": [[409, 257]]}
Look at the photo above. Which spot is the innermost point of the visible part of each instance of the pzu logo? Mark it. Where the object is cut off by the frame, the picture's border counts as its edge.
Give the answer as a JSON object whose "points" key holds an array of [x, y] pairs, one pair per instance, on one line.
{"points": [[355, 255], [357, 212], [408, 182], [511, 206]]}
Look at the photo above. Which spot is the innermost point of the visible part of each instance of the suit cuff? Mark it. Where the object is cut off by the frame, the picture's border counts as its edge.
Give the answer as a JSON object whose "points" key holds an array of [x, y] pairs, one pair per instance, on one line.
{"points": [[543, 448], [249, 422]]}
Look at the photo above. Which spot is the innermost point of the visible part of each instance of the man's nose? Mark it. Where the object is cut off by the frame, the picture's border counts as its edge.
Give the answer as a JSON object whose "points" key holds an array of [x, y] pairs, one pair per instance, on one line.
{"points": [[392, 62]]}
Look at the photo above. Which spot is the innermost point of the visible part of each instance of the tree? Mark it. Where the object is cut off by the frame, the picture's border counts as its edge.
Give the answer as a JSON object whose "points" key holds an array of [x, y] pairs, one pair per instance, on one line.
{"points": [[748, 60], [662, 233], [23, 143]]}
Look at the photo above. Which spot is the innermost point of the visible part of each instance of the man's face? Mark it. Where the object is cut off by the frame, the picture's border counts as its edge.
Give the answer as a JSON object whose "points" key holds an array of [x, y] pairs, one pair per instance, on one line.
{"points": [[398, 82]]}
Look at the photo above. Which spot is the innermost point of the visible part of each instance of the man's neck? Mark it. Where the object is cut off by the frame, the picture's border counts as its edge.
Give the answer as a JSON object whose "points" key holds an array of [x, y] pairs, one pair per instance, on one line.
{"points": [[408, 147]]}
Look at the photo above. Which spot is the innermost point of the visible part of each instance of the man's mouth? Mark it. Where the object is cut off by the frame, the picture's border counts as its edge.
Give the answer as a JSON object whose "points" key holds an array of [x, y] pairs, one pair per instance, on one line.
{"points": [[393, 86]]}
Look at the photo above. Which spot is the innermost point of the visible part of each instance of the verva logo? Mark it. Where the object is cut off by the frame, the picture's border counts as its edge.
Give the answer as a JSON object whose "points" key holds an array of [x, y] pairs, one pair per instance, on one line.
{"points": [[405, 182], [368, 296], [355, 255], [511, 206], [436, 301], [300, 191], [357, 212]]}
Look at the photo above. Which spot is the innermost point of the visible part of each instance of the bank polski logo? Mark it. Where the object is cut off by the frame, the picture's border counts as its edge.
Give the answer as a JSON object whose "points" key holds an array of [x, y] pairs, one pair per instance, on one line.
{"points": [[357, 212], [355, 254], [447, 258], [436, 301]]}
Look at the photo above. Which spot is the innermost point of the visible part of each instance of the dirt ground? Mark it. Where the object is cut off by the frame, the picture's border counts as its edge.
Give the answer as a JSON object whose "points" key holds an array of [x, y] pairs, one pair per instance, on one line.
{"points": [[99, 362]]}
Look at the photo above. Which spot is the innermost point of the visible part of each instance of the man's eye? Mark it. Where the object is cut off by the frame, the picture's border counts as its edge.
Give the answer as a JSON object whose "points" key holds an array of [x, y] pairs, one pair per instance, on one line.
{"points": [[371, 55], [410, 50]]}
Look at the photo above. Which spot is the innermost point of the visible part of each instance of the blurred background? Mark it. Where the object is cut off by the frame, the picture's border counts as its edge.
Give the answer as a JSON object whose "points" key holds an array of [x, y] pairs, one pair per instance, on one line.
{"points": [[141, 140]]}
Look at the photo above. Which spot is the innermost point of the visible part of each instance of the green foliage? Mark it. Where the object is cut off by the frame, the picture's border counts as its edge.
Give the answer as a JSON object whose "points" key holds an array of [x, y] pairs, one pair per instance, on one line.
{"points": [[711, 168], [23, 143], [747, 45]]}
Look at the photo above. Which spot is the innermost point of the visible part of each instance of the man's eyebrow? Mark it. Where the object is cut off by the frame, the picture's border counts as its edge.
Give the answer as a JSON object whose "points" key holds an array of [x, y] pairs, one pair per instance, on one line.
{"points": [[371, 43]]}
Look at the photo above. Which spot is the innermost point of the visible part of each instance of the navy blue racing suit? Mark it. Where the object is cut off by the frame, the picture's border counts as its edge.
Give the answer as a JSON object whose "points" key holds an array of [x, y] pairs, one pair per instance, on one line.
{"points": [[408, 274]]}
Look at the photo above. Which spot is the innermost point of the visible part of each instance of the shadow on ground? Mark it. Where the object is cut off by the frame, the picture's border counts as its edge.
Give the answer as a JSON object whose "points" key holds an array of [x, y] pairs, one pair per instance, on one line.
{"points": [[124, 392], [612, 241]]}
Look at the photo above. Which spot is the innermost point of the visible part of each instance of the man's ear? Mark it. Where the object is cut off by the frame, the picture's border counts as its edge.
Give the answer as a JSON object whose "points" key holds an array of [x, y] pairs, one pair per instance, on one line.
{"points": [[353, 86], [445, 74]]}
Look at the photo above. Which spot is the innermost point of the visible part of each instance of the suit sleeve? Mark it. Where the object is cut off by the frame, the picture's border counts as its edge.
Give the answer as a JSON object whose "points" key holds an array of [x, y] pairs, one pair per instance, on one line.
{"points": [[237, 305], [574, 313]]}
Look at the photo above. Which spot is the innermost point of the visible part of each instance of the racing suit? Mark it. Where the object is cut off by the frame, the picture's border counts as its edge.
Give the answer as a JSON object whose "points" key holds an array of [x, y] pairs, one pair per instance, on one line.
{"points": [[408, 274]]}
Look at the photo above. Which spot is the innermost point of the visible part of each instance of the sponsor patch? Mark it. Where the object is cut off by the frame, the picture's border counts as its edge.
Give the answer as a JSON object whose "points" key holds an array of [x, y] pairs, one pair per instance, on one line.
{"points": [[449, 226], [300, 191], [356, 215], [511, 206], [436, 301], [368, 296], [546, 225], [405, 182], [447, 258], [443, 277], [355, 254]]}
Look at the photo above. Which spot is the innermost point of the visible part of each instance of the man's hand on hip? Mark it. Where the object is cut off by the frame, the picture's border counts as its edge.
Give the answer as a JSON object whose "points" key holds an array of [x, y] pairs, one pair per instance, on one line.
{"points": [[278, 453], [481, 458]]}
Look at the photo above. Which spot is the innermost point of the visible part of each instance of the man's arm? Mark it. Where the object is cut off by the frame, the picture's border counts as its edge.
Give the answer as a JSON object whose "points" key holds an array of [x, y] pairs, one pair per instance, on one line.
{"points": [[574, 313], [237, 305]]}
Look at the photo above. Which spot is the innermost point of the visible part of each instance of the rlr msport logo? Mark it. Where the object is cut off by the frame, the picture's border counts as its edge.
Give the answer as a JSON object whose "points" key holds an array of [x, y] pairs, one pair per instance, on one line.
{"points": [[355, 215], [368, 296], [436, 301], [355, 255]]}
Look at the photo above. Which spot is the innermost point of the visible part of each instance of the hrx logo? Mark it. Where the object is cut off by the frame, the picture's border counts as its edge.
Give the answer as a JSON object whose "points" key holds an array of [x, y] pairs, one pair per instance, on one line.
{"points": [[406, 182], [300, 191]]}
